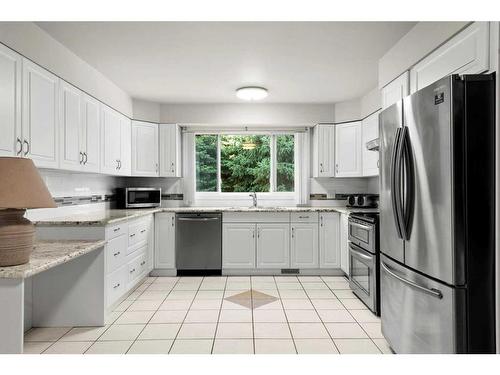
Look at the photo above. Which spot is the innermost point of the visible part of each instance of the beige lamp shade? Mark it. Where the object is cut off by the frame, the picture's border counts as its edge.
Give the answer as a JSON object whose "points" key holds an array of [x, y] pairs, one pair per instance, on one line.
{"points": [[21, 186]]}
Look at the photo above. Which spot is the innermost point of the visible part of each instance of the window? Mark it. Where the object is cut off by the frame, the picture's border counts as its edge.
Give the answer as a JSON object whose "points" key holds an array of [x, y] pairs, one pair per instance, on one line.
{"points": [[244, 163]]}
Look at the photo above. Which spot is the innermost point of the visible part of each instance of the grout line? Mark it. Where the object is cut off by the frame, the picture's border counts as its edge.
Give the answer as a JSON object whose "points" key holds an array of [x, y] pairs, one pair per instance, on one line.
{"points": [[284, 312], [218, 317], [252, 310], [155, 311], [349, 311], [319, 316]]}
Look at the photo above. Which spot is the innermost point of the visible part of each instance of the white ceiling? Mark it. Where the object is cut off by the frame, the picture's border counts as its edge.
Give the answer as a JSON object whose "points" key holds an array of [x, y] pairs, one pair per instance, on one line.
{"points": [[298, 62]]}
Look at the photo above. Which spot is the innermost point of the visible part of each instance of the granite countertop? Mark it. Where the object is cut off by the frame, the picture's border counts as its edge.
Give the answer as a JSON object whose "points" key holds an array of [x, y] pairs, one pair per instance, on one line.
{"points": [[49, 254], [113, 216]]}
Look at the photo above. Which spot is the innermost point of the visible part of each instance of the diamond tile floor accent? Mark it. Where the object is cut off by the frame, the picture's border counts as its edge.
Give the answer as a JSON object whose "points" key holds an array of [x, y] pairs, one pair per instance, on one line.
{"points": [[226, 315]]}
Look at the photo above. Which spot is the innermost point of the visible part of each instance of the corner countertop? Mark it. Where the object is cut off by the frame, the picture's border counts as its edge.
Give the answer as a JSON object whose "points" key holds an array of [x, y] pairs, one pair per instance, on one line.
{"points": [[49, 254], [114, 216]]}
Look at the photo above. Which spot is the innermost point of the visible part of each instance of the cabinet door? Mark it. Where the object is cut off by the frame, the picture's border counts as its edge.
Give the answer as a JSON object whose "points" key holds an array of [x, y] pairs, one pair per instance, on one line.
{"points": [[324, 151], [348, 161], [329, 240], [273, 245], [10, 102], [70, 118], [370, 158], [125, 168], [344, 243], [40, 125], [238, 245], [165, 240], [144, 149], [91, 134], [396, 90], [304, 246], [465, 53], [110, 140], [170, 150]]}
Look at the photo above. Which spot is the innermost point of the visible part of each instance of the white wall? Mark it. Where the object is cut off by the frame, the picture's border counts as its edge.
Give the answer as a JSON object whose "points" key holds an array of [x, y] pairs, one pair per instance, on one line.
{"points": [[248, 113], [371, 102], [421, 40], [146, 111], [347, 111], [34, 43]]}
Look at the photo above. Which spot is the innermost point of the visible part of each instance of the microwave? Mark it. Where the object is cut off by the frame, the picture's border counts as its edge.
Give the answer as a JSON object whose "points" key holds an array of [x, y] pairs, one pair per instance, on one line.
{"points": [[138, 197]]}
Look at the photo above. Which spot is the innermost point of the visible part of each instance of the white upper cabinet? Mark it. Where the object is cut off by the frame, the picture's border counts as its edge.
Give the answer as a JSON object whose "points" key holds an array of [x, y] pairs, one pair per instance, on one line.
{"points": [[110, 140], [70, 125], [125, 168], [273, 245], [10, 102], [348, 156], [324, 151], [329, 240], [304, 251], [465, 53], [396, 90], [144, 149], [238, 245], [90, 133], [40, 127], [170, 150], [370, 132]]}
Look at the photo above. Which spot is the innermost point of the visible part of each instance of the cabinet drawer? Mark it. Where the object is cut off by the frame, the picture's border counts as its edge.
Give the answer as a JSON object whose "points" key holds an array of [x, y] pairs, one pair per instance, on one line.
{"points": [[138, 232], [256, 217], [116, 252], [134, 268], [113, 231], [304, 217], [116, 284]]}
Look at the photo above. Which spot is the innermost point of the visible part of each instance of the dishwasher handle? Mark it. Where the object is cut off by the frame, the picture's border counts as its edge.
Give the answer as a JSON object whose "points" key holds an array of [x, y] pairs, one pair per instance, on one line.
{"points": [[198, 218]]}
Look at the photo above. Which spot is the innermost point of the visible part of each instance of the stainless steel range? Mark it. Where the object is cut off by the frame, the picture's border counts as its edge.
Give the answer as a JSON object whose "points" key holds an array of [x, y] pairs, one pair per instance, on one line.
{"points": [[364, 269]]}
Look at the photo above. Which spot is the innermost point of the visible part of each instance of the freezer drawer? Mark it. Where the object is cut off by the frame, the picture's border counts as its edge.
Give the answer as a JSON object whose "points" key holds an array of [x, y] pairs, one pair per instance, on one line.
{"points": [[420, 315]]}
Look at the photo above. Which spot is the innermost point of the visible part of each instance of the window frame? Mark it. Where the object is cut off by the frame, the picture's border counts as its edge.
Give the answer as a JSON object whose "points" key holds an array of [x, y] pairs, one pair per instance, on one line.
{"points": [[272, 193]]}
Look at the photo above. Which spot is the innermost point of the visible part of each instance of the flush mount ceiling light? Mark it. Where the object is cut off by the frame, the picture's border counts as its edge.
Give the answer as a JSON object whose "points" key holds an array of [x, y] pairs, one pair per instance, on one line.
{"points": [[251, 93]]}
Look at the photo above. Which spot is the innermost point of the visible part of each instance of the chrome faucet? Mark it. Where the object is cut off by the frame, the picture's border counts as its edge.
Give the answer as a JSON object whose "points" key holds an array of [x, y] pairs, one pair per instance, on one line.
{"points": [[254, 197]]}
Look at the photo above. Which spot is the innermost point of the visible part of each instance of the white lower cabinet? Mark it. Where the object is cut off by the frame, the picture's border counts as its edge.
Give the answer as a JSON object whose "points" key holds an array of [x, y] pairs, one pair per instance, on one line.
{"points": [[329, 240], [273, 245], [164, 240], [238, 245], [116, 285], [344, 243], [304, 245]]}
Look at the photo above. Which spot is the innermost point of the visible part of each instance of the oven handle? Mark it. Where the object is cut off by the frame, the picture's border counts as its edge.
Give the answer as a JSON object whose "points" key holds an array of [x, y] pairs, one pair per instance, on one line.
{"points": [[360, 225], [433, 292], [360, 254], [198, 219]]}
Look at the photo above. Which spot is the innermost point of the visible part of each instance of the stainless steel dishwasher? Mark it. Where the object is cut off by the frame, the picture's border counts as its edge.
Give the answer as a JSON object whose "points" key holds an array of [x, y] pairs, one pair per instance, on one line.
{"points": [[198, 244]]}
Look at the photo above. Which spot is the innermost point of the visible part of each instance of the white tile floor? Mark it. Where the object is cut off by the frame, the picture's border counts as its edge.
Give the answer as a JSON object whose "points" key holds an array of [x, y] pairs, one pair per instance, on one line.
{"points": [[191, 315]]}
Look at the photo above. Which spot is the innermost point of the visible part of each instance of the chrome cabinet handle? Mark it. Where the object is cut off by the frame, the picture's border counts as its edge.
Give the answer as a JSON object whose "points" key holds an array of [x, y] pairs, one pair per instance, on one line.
{"points": [[253, 233], [321, 220], [132, 235], [116, 230], [116, 254], [81, 157], [116, 286], [293, 232], [258, 233], [20, 143], [117, 164], [173, 220], [156, 167], [143, 263], [321, 167], [431, 291], [132, 271], [303, 217], [27, 147], [86, 158], [336, 168], [172, 168], [142, 231]]}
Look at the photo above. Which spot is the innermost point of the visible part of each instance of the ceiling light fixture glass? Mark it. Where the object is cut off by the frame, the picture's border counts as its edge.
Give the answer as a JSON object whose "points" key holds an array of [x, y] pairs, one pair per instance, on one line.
{"points": [[251, 93]]}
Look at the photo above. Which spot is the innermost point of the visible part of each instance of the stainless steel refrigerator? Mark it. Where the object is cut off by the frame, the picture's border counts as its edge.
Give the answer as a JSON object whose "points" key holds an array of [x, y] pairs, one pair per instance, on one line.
{"points": [[437, 218]]}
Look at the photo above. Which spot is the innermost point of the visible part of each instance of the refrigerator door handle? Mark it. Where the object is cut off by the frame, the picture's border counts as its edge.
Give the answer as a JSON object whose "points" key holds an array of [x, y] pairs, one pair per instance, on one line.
{"points": [[409, 173], [395, 187], [431, 291]]}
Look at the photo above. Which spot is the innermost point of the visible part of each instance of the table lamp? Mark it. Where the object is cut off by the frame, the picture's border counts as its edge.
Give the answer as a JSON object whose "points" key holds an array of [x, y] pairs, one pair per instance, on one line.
{"points": [[21, 187]]}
